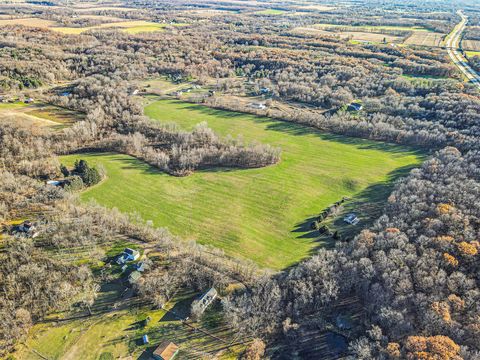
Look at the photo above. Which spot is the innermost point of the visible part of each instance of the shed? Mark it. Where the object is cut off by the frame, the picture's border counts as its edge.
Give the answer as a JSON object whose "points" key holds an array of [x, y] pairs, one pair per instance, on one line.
{"points": [[145, 339], [167, 350], [260, 106], [204, 301]]}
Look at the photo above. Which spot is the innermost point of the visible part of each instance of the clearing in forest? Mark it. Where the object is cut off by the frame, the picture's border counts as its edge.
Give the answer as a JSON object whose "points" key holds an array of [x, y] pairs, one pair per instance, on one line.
{"points": [[270, 12], [39, 114], [261, 214]]}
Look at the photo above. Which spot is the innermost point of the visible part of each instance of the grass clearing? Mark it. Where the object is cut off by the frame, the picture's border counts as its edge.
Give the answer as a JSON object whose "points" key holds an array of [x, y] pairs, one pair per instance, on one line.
{"points": [[161, 86], [40, 114], [270, 12], [472, 53], [261, 214]]}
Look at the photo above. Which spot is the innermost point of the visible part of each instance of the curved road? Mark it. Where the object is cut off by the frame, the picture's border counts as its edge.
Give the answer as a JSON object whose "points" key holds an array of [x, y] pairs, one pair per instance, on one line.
{"points": [[453, 47]]}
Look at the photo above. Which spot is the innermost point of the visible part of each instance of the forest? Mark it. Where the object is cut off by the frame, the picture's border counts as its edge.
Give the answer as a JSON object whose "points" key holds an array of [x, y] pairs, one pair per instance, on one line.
{"points": [[410, 277]]}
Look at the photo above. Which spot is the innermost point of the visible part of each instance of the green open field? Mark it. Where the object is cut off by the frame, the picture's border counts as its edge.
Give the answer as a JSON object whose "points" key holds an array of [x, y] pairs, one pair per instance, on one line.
{"points": [[270, 12], [472, 53], [260, 214]]}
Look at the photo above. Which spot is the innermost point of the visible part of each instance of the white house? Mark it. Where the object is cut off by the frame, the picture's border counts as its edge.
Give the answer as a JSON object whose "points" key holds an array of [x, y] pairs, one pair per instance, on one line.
{"points": [[128, 255], [351, 219], [259, 106]]}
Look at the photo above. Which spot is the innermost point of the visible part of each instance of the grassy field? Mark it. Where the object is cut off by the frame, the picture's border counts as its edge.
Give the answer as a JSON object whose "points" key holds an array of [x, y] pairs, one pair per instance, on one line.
{"points": [[472, 53], [270, 12], [39, 114], [260, 214]]}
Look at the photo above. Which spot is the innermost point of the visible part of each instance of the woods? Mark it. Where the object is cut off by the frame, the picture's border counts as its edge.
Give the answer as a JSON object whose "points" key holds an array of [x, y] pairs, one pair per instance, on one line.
{"points": [[404, 286]]}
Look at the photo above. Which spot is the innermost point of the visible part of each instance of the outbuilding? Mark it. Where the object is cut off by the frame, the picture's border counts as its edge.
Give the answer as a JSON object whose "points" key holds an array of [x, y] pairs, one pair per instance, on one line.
{"points": [[167, 350], [200, 305]]}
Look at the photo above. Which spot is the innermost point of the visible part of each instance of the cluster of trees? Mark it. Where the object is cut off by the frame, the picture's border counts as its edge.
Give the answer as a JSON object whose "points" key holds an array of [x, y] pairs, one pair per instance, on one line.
{"points": [[33, 285], [26, 150], [275, 57], [201, 148], [89, 175]]}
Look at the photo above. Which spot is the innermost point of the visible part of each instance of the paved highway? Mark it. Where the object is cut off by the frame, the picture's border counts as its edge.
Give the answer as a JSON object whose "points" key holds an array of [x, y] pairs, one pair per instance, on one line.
{"points": [[453, 48]]}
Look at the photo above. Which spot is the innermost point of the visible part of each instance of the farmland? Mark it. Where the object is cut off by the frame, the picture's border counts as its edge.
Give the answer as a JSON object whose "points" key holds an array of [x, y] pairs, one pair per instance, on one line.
{"points": [[377, 34], [471, 45], [423, 38], [221, 208], [39, 114], [358, 36], [28, 22], [373, 28], [270, 12], [132, 27]]}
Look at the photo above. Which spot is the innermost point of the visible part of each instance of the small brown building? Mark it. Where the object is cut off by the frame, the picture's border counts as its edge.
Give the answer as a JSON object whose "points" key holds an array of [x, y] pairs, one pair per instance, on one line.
{"points": [[167, 350]]}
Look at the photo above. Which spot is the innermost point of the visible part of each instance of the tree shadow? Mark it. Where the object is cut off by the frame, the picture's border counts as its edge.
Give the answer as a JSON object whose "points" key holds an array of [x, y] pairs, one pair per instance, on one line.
{"points": [[180, 310]]}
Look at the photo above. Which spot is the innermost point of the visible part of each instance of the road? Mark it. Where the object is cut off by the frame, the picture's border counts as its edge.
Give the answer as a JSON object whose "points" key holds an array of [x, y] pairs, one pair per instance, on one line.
{"points": [[453, 48]]}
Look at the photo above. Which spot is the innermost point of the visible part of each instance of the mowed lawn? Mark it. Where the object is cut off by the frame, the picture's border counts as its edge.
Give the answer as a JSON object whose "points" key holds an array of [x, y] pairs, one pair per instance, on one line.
{"points": [[260, 214]]}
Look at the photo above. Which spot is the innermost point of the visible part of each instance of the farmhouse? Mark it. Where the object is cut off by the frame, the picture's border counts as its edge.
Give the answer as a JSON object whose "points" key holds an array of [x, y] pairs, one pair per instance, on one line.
{"points": [[128, 255], [204, 301], [165, 351], [260, 106], [355, 106], [351, 219], [26, 229]]}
